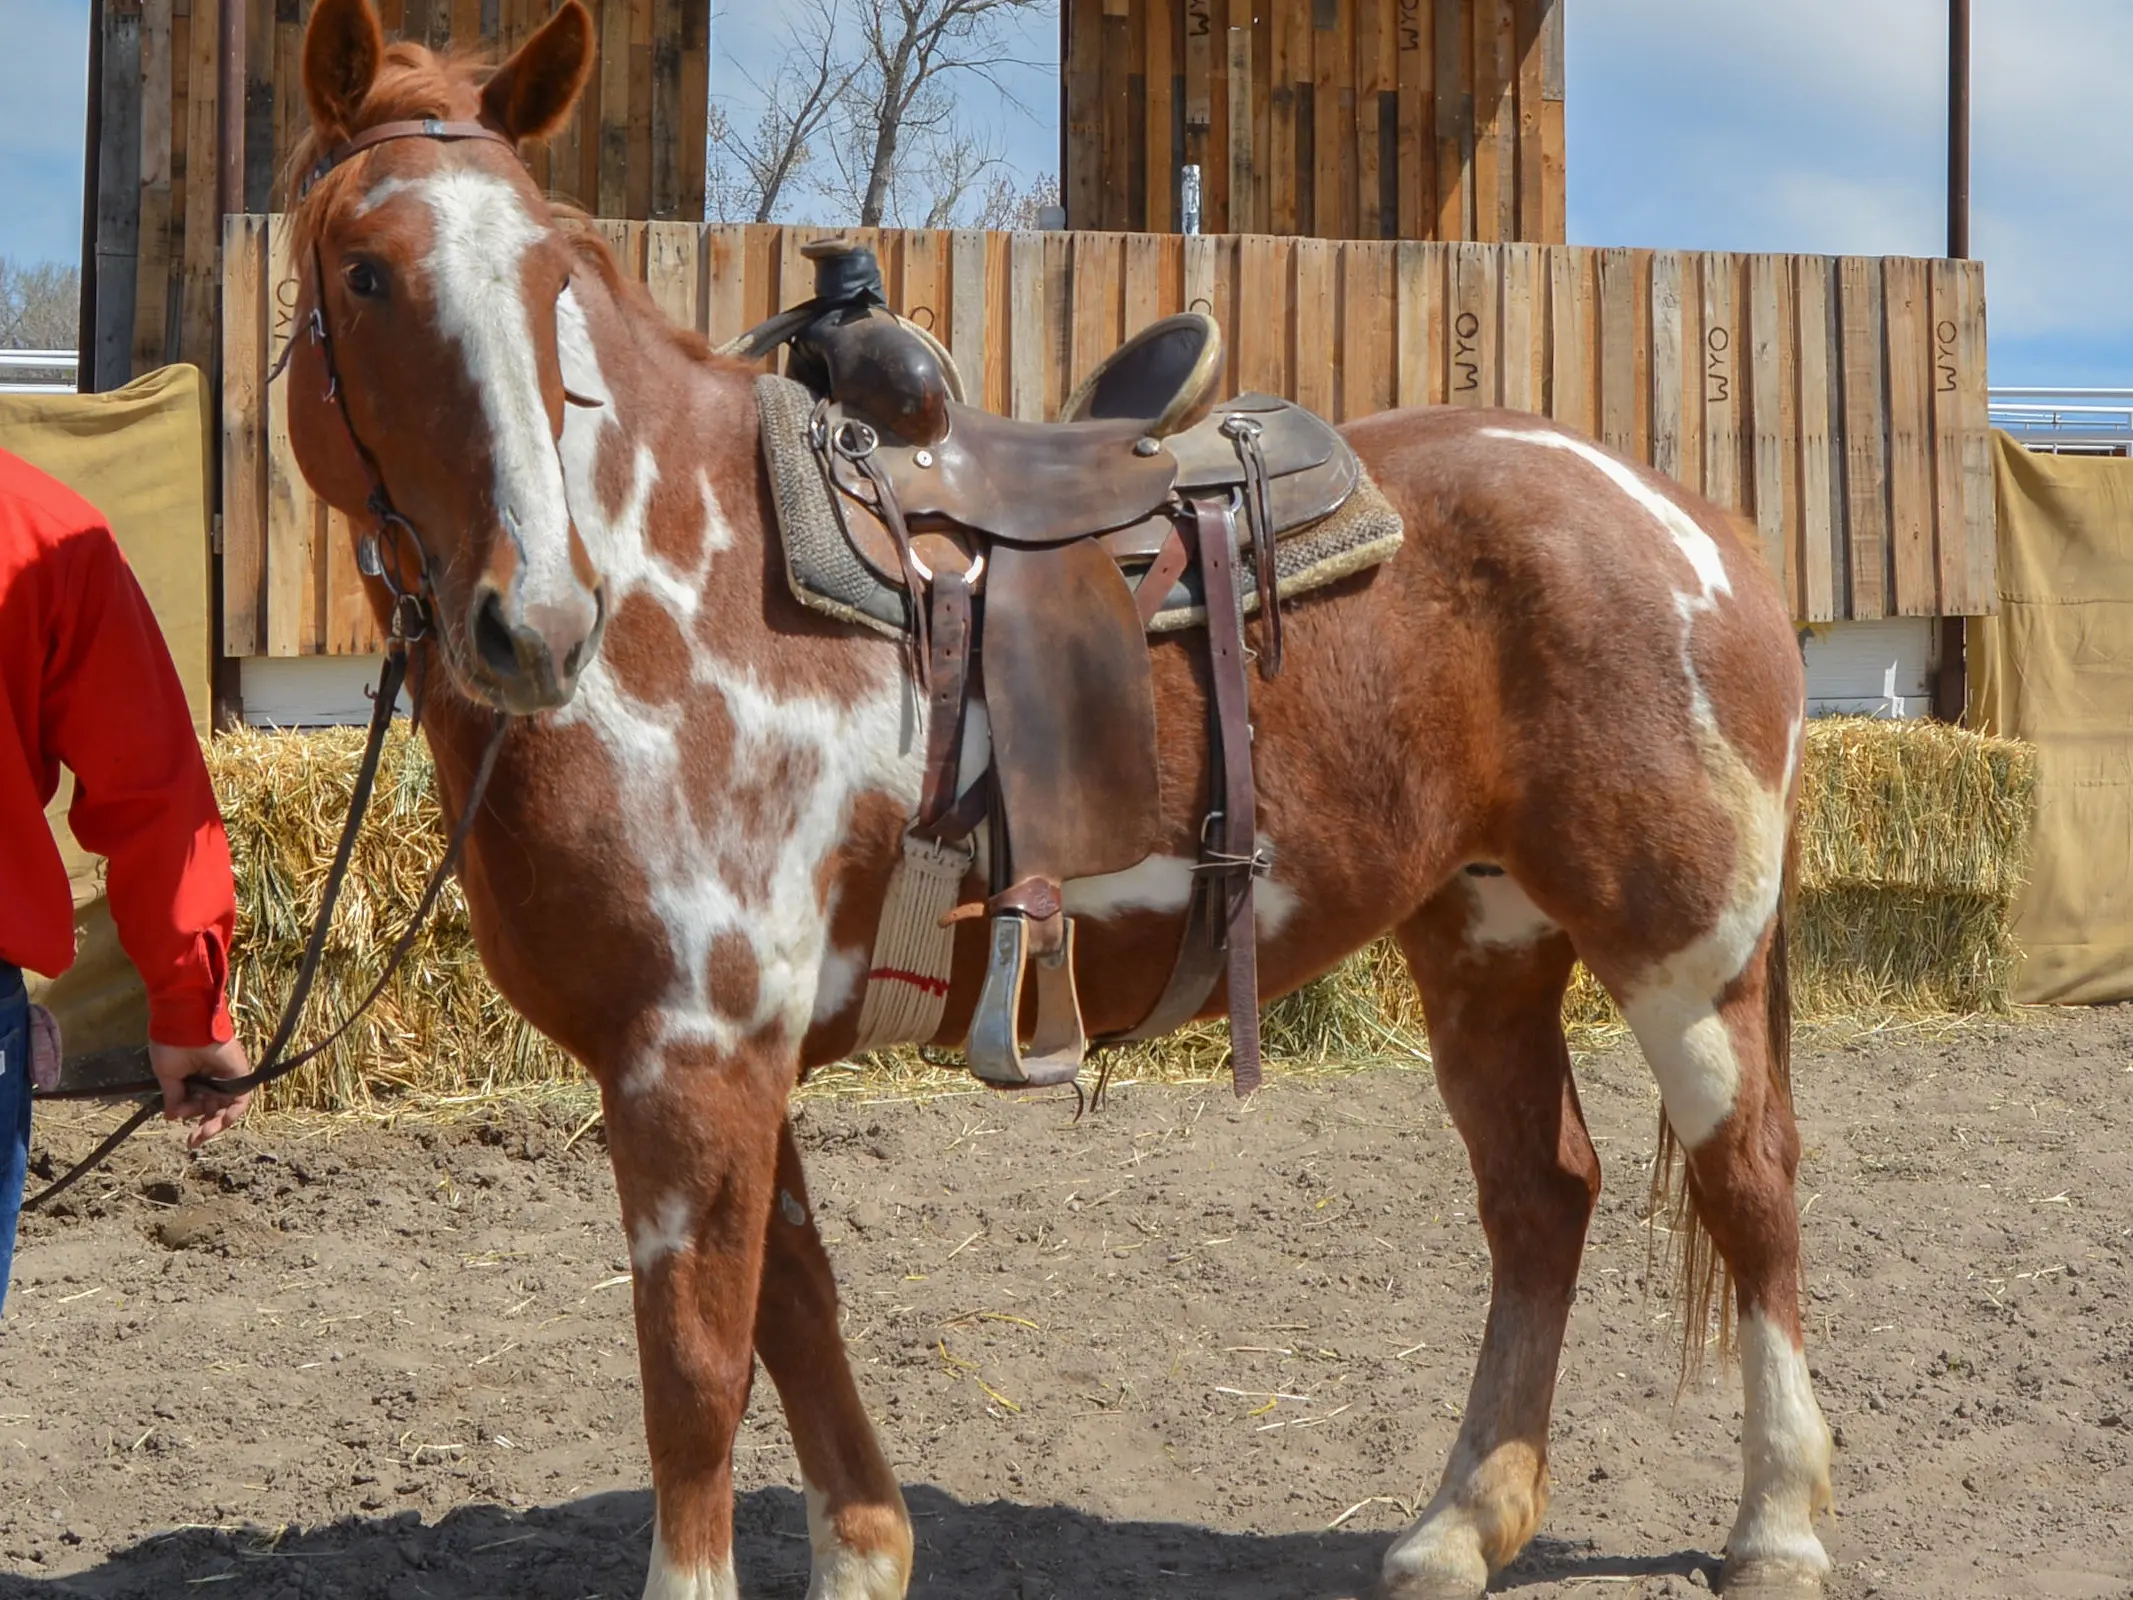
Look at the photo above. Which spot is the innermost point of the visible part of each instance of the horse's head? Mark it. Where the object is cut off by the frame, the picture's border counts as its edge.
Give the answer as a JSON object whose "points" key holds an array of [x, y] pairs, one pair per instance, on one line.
{"points": [[437, 270]]}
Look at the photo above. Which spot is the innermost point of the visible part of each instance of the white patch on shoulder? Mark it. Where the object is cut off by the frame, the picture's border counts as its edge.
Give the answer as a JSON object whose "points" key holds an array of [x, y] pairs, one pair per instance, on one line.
{"points": [[667, 1231], [696, 860], [1784, 1456], [482, 231], [1503, 917], [668, 1580], [837, 983], [1688, 535], [839, 1571]]}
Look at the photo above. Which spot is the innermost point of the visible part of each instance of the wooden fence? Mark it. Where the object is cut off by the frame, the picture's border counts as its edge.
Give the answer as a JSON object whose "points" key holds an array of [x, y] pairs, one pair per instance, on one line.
{"points": [[1836, 402], [633, 148], [1343, 119]]}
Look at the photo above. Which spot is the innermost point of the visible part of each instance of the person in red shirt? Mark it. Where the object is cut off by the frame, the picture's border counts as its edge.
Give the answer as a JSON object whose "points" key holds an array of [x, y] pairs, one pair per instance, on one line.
{"points": [[86, 680]]}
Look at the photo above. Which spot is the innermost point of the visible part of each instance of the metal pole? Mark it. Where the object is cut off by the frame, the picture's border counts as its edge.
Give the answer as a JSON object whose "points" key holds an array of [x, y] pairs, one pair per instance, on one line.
{"points": [[1951, 686], [92, 142], [1959, 129]]}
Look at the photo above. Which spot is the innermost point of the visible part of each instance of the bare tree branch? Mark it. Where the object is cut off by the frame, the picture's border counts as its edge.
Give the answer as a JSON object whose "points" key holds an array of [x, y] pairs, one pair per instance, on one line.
{"points": [[40, 305], [753, 173]]}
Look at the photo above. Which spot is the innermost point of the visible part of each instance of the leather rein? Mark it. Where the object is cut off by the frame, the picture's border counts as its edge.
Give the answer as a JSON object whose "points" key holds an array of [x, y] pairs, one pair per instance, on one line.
{"points": [[412, 622]]}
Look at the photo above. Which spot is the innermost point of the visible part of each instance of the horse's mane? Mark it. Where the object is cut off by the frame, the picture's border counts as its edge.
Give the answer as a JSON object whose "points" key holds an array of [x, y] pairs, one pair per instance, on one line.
{"points": [[414, 82]]}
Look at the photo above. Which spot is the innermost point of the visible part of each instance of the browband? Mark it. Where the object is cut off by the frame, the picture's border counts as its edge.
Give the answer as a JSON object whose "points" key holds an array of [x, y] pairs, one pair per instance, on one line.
{"points": [[422, 128]]}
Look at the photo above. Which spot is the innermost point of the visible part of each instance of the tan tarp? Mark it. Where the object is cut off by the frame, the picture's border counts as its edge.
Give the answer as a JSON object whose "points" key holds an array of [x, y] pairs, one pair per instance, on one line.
{"points": [[139, 455], [2055, 667]]}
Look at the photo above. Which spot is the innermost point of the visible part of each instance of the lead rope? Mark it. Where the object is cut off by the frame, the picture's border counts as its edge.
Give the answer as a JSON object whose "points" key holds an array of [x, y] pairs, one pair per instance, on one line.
{"points": [[275, 1065], [410, 625]]}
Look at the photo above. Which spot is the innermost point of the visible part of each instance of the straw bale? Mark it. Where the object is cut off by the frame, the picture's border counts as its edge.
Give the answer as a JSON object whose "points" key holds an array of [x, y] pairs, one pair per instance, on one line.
{"points": [[1913, 842]]}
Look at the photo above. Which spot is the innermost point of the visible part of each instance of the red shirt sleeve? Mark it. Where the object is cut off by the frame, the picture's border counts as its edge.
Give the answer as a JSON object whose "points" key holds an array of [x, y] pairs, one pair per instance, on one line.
{"points": [[115, 713]]}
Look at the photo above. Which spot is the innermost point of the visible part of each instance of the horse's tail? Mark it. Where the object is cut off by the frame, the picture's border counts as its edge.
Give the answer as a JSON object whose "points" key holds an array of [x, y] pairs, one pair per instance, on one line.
{"points": [[1703, 1281]]}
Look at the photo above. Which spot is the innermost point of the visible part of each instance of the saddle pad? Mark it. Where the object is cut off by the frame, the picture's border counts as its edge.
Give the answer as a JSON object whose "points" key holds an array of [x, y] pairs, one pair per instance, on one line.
{"points": [[826, 575]]}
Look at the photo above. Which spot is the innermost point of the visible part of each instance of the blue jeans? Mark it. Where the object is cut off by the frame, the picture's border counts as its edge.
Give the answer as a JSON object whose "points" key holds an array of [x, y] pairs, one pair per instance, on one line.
{"points": [[14, 1111]]}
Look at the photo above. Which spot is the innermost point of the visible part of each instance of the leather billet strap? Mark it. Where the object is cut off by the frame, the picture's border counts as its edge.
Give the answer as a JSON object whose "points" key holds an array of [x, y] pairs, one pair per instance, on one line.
{"points": [[1231, 856], [1221, 930], [385, 132], [947, 695]]}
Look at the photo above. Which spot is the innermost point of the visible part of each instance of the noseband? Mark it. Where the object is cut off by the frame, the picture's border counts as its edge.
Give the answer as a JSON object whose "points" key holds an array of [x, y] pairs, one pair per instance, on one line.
{"points": [[413, 621]]}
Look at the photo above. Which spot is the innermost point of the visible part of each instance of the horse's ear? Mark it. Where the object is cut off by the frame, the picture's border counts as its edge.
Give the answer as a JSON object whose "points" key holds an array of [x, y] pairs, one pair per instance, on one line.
{"points": [[533, 92], [342, 49]]}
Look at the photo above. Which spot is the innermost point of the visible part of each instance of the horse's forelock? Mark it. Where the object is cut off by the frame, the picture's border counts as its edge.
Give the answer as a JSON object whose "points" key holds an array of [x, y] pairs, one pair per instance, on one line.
{"points": [[414, 82]]}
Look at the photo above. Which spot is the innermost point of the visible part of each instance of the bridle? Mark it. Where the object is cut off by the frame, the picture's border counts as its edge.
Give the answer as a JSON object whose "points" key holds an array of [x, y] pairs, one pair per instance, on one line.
{"points": [[412, 622]]}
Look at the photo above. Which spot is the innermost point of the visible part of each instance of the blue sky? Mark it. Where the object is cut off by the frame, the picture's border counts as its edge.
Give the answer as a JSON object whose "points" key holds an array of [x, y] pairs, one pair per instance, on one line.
{"points": [[1815, 125]]}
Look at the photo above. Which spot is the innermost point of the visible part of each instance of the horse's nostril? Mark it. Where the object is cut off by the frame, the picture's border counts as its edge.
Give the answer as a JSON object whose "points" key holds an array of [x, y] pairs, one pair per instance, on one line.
{"points": [[493, 640], [574, 659]]}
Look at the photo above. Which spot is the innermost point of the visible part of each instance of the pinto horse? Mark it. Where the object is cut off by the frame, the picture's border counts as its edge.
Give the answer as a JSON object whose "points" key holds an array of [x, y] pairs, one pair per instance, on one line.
{"points": [[1563, 723]]}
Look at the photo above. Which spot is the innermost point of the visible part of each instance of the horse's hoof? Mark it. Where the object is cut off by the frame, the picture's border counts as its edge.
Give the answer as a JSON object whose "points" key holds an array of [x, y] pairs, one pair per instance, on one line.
{"points": [[1769, 1580]]}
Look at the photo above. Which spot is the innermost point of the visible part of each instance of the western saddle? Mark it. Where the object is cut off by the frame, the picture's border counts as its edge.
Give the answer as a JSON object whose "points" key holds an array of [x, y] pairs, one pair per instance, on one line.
{"points": [[1024, 564]]}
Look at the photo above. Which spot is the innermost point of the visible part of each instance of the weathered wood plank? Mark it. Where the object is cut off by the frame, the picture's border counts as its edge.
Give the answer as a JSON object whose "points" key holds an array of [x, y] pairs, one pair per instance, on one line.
{"points": [[1817, 367], [292, 586], [1667, 402], [1312, 350], [1617, 362], [245, 529], [1262, 331], [1910, 369], [672, 271], [1474, 349], [1866, 472], [1573, 395], [1367, 374], [1418, 292], [1723, 425], [1523, 302], [1948, 397], [965, 334], [1027, 322], [1771, 462]]}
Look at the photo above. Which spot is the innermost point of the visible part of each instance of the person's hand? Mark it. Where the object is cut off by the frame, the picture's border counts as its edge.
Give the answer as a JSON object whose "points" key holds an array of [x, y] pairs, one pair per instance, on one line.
{"points": [[215, 1113]]}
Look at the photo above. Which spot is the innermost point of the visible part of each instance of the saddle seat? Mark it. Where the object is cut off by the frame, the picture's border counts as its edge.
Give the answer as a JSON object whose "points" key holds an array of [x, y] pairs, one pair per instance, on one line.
{"points": [[1024, 565]]}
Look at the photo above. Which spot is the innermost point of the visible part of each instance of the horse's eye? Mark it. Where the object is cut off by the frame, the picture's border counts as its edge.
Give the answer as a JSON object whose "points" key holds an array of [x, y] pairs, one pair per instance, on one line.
{"points": [[364, 280]]}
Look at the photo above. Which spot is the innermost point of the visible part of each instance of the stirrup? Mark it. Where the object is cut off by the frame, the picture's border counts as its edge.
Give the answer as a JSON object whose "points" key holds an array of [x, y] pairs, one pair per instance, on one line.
{"points": [[1055, 1052]]}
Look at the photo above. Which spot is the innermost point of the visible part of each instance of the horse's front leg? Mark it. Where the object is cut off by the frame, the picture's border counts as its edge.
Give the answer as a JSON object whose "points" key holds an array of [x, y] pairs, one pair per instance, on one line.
{"points": [[855, 1512], [694, 1143]]}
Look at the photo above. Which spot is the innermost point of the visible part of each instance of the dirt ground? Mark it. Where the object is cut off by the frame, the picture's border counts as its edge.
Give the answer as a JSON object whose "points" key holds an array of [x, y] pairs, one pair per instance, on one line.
{"points": [[1175, 1349]]}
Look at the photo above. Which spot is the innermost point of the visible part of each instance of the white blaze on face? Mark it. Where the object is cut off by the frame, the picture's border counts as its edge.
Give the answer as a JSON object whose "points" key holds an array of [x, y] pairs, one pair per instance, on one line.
{"points": [[481, 233]]}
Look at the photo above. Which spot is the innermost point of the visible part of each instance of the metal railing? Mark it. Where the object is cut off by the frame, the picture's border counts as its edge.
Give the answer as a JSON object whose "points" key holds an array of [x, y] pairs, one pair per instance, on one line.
{"points": [[47, 371], [2089, 422]]}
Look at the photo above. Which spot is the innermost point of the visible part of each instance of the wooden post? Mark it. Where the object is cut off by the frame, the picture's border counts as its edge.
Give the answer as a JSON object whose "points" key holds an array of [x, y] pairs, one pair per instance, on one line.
{"points": [[233, 106]]}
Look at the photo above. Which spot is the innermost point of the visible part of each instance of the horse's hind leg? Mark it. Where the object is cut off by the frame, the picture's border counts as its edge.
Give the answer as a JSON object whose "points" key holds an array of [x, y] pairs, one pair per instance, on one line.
{"points": [[1492, 987], [855, 1512], [1724, 1078]]}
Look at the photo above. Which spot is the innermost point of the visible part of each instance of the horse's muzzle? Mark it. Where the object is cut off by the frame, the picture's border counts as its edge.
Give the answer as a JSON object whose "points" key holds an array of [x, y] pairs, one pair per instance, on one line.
{"points": [[527, 656]]}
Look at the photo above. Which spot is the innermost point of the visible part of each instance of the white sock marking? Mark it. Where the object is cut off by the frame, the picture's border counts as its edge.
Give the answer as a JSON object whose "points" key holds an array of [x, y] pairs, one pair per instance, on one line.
{"points": [[1784, 1453], [665, 1580]]}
